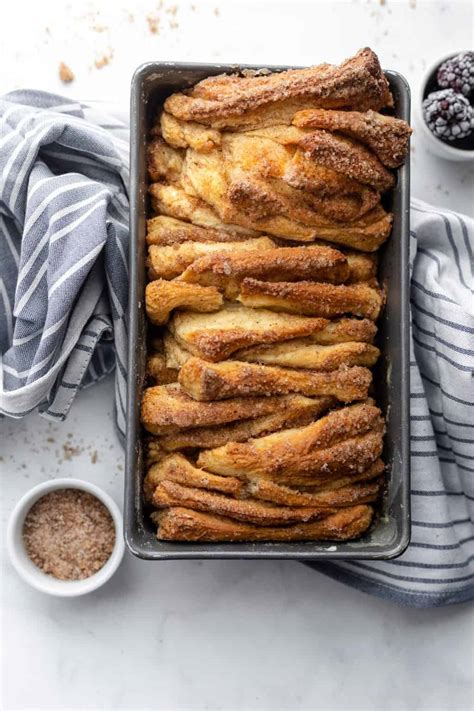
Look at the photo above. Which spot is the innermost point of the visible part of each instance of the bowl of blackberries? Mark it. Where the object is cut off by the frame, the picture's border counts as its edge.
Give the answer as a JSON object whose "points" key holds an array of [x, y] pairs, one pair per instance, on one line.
{"points": [[447, 107]]}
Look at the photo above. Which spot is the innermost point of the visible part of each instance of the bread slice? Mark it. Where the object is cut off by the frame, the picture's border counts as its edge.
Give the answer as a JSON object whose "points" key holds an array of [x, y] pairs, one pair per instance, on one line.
{"points": [[343, 442], [162, 297], [227, 270], [266, 490], [184, 134], [218, 335], [343, 330], [362, 267], [182, 524], [293, 411], [167, 409], [168, 262], [302, 353], [177, 468], [313, 298], [227, 101], [387, 136], [218, 381], [167, 231], [366, 234], [170, 493]]}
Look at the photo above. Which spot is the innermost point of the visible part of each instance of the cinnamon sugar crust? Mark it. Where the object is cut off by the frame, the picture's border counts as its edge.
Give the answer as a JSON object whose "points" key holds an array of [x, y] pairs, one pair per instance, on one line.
{"points": [[357, 83], [218, 381], [182, 524]]}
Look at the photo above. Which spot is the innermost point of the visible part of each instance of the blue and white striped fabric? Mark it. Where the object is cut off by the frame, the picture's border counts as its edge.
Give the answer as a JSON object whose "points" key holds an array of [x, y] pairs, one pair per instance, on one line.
{"points": [[63, 253], [438, 566], [63, 284]]}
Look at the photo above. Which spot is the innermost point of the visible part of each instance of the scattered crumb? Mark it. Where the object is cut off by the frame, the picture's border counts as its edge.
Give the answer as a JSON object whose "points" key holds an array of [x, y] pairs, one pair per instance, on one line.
{"points": [[131, 17], [94, 456], [50, 439], [65, 73], [69, 451], [217, 12], [104, 60], [153, 24], [172, 10], [193, 8], [174, 24], [99, 28], [69, 435], [47, 30]]}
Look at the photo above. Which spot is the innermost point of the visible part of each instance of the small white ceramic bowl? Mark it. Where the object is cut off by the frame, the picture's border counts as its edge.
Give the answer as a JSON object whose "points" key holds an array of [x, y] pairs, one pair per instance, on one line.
{"points": [[440, 148], [34, 575]]}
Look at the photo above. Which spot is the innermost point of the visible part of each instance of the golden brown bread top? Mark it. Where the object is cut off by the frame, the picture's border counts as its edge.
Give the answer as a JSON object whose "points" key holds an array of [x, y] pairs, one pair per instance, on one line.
{"points": [[341, 330], [349, 458], [168, 262], [313, 298], [226, 270], [261, 174], [164, 163], [373, 471], [357, 83], [176, 467], [348, 157], [293, 411], [181, 134], [362, 267], [343, 441], [218, 335], [230, 378], [170, 493], [173, 201], [267, 490], [355, 164], [253, 198], [182, 524], [366, 233], [337, 331], [301, 353], [387, 136], [304, 173], [162, 297], [164, 231], [167, 408]]}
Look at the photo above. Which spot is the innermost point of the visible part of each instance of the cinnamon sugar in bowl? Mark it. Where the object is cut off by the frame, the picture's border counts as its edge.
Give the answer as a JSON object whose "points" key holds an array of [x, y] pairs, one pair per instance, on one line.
{"points": [[65, 537]]}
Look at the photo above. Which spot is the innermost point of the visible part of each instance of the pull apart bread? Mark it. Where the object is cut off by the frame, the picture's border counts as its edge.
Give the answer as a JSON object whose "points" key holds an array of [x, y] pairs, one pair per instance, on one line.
{"points": [[267, 191]]}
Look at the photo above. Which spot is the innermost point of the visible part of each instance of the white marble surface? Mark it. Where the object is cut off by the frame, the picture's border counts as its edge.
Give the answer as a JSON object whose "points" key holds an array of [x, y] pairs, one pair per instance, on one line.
{"points": [[216, 635]]}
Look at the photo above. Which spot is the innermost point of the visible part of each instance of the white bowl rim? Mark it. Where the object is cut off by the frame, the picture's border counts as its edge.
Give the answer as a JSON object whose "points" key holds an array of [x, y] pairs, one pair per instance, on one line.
{"points": [[459, 154], [33, 575]]}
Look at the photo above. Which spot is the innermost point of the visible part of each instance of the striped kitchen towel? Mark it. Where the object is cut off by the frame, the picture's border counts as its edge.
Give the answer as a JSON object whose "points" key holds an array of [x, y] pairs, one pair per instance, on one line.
{"points": [[63, 285], [438, 566], [63, 253]]}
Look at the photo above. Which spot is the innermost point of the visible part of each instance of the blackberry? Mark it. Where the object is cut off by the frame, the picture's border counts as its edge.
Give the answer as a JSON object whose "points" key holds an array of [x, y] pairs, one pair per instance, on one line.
{"points": [[449, 115], [458, 73]]}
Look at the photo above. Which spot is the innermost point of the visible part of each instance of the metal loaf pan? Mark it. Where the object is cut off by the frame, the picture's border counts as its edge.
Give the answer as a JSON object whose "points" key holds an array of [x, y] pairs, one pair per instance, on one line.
{"points": [[389, 535]]}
